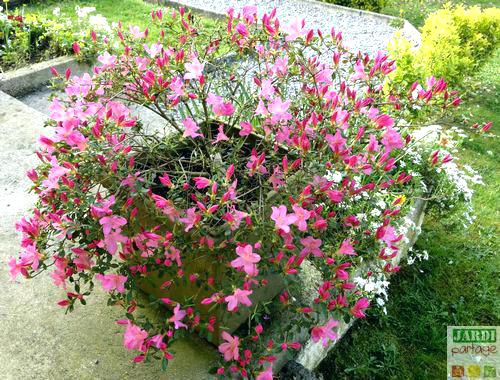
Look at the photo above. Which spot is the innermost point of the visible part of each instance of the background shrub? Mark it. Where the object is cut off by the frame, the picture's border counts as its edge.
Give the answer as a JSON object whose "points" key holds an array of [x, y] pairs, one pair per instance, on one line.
{"points": [[370, 5], [456, 42]]}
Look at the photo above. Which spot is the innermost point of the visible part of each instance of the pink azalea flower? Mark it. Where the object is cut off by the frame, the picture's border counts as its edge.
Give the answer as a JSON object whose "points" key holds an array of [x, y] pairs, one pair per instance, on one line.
{"points": [[266, 89], [221, 136], [111, 241], [157, 340], [136, 32], [346, 248], [79, 86], [373, 144], [261, 109], [60, 274], [107, 60], [282, 219], [55, 174], [191, 128], [66, 132], [246, 128], [112, 282], [201, 182], [177, 86], [392, 139], [302, 215], [267, 374], [134, 337], [384, 121], [112, 222], [230, 348], [194, 69], [336, 142], [325, 333], [16, 268], [324, 76], [246, 260], [30, 256], [219, 107], [281, 66], [311, 245], [105, 208], [165, 180], [177, 317], [234, 218], [358, 309], [166, 206], [242, 30], [191, 219], [83, 260], [295, 30], [359, 71], [239, 296], [387, 234], [249, 13], [279, 110]]}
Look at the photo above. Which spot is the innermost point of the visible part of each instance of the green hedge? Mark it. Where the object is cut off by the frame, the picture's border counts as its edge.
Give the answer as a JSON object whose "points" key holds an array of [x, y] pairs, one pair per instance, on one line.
{"points": [[456, 42]]}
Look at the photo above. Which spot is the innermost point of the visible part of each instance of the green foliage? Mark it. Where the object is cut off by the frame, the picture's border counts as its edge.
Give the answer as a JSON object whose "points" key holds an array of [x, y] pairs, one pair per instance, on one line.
{"points": [[369, 5], [31, 39], [456, 42]]}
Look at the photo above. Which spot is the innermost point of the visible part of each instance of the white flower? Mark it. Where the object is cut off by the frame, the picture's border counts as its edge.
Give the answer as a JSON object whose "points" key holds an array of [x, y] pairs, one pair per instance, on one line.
{"points": [[99, 22], [84, 11], [333, 176], [56, 11]]}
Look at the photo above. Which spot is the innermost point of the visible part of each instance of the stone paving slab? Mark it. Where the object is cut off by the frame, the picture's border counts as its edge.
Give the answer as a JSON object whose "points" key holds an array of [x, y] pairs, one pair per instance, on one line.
{"points": [[37, 341]]}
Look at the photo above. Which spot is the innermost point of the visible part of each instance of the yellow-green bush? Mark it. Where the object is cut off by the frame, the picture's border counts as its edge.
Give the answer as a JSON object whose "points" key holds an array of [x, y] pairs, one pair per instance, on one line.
{"points": [[456, 41]]}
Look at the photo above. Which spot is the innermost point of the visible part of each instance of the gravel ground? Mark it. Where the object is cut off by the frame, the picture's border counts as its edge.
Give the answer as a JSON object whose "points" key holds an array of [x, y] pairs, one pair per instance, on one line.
{"points": [[360, 30]]}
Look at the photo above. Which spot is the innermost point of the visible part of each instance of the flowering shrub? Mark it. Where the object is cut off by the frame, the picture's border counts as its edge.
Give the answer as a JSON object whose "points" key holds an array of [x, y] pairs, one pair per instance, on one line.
{"points": [[456, 42], [30, 38], [285, 152]]}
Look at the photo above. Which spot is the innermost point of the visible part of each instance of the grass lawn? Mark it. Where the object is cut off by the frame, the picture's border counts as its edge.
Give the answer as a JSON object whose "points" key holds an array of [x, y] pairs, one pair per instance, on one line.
{"points": [[458, 285]]}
